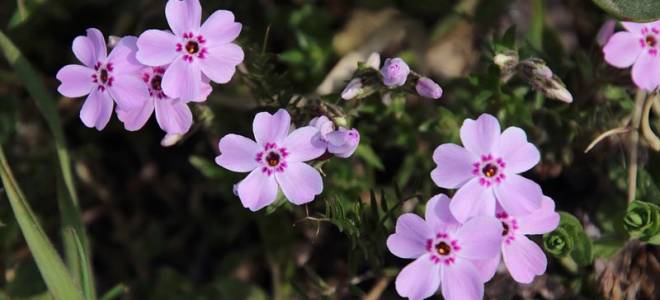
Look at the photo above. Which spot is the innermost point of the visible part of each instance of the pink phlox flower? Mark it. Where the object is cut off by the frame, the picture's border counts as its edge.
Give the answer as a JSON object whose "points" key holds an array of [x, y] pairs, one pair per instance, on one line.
{"points": [[341, 141]]}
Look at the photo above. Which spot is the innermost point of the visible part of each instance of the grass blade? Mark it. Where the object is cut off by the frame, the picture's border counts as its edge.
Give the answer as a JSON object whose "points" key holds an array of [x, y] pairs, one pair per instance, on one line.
{"points": [[51, 266], [67, 197]]}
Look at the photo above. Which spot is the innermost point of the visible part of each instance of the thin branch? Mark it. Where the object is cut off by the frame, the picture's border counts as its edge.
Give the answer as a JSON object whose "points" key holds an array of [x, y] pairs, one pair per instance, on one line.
{"points": [[606, 134], [633, 147]]}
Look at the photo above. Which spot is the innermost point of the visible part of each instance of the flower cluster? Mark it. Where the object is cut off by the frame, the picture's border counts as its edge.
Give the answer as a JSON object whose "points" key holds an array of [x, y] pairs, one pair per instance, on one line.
{"points": [[159, 71], [393, 74], [277, 158], [637, 46], [493, 205]]}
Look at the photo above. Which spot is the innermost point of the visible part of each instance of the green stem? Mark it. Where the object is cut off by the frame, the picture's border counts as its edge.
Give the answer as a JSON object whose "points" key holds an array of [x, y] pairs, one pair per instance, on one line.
{"points": [[633, 145]]}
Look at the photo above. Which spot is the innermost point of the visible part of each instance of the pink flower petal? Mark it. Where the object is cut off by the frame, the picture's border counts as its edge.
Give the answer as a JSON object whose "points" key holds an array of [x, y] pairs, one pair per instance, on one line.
{"points": [[129, 91], [257, 190], [299, 182], [299, 145], [220, 28], [518, 195], [84, 50], [135, 119], [271, 128], [98, 42], [156, 48], [123, 58], [182, 80], [622, 49], [75, 81], [517, 153], [480, 238], [205, 91], [646, 71], [97, 110], [461, 281], [472, 199], [410, 236], [221, 61], [454, 166], [183, 15], [418, 280], [343, 142], [480, 136], [633, 27], [237, 153], [524, 259], [487, 267], [438, 215], [540, 221], [173, 116]]}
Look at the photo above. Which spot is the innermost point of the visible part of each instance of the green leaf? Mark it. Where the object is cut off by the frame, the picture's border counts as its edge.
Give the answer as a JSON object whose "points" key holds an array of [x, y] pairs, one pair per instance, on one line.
{"points": [[642, 221], [370, 157], [52, 268], [115, 292], [67, 197], [23, 11], [569, 239], [631, 10], [205, 166]]}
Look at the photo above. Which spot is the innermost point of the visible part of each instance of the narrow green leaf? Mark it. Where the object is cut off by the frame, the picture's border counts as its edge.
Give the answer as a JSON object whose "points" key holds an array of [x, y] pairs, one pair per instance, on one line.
{"points": [[535, 34], [370, 157], [23, 11], [67, 197], [50, 264], [115, 292], [86, 277], [632, 10]]}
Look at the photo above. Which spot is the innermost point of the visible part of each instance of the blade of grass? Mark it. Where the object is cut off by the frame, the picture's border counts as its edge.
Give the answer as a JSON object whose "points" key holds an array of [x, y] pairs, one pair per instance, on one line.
{"points": [[50, 264], [115, 292], [67, 197]]}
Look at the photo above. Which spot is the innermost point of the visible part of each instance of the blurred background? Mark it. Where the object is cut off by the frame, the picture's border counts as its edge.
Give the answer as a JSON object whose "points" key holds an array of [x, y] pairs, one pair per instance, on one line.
{"points": [[163, 221]]}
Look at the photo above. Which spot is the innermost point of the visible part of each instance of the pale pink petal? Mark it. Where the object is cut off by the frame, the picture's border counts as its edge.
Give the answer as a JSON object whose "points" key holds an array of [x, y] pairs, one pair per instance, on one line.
{"points": [[123, 58], [454, 166], [205, 91], [173, 116], [299, 182], [299, 145], [479, 238], [98, 42], [269, 128], [156, 48], [220, 27], [524, 259], [646, 71], [540, 221], [438, 215], [75, 81], [84, 51], [622, 49], [183, 15], [410, 236], [633, 27], [182, 80], [221, 61], [480, 136], [418, 280], [461, 281], [487, 267], [472, 199], [97, 110], [135, 119], [518, 195], [237, 153], [518, 154], [342, 142], [257, 190], [129, 91]]}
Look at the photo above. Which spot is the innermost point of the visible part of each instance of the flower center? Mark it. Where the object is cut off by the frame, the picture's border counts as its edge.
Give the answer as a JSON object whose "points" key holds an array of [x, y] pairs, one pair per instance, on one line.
{"points": [[155, 82], [192, 47], [489, 170], [103, 75], [273, 159], [443, 248], [650, 41], [505, 231]]}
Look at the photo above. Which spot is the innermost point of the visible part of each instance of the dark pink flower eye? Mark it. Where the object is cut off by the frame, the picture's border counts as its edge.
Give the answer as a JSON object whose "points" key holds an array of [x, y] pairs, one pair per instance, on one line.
{"points": [[155, 82], [489, 170], [505, 229], [443, 248], [651, 41], [273, 159], [104, 76], [192, 47]]}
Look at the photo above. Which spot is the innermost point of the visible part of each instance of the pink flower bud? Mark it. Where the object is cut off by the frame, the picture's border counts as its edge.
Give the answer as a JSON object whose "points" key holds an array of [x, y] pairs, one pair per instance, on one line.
{"points": [[428, 88], [352, 89], [395, 72]]}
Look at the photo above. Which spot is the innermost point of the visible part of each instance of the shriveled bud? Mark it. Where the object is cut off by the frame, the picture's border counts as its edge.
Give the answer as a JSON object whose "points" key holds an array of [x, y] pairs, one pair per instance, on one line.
{"points": [[170, 139]]}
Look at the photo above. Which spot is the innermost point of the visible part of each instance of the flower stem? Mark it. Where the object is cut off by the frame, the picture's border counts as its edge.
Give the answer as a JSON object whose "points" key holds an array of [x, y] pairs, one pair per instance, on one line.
{"points": [[633, 146]]}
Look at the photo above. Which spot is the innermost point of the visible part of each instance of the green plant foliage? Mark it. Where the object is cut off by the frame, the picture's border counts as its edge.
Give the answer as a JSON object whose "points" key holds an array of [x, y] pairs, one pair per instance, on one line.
{"points": [[569, 240], [631, 10], [642, 221]]}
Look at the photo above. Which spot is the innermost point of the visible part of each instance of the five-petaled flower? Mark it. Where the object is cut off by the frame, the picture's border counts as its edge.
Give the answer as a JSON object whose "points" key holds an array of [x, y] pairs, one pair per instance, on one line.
{"points": [[192, 51], [276, 158], [341, 142], [487, 169], [173, 115], [523, 258], [445, 252], [638, 46], [103, 77]]}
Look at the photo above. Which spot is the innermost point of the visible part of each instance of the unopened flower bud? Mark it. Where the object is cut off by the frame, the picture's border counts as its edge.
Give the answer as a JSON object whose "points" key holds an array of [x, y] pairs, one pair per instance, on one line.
{"points": [[352, 89], [395, 72], [426, 87]]}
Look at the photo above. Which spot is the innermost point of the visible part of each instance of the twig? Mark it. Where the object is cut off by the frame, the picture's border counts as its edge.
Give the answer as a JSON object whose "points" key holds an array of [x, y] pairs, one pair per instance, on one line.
{"points": [[605, 135], [378, 289], [634, 145], [648, 134]]}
